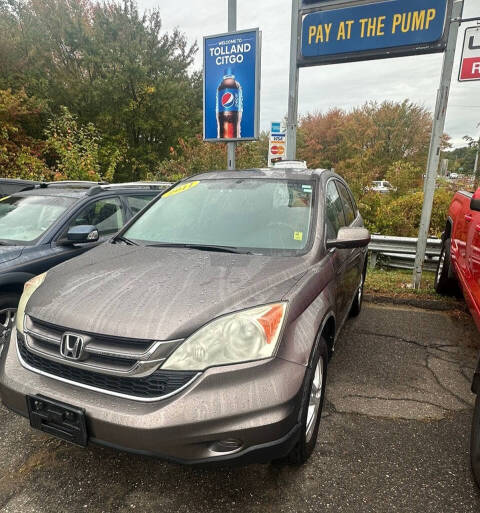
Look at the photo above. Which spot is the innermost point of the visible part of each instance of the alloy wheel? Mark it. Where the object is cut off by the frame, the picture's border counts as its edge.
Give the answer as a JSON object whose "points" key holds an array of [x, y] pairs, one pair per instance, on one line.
{"points": [[314, 400]]}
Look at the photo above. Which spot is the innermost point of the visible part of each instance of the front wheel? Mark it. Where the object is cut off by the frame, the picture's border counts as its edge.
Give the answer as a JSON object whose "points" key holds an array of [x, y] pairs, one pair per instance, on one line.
{"points": [[312, 405], [8, 311], [475, 442], [445, 281]]}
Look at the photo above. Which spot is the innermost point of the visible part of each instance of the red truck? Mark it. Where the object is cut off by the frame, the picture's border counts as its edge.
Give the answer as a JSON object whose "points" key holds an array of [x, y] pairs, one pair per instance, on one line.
{"points": [[459, 269]]}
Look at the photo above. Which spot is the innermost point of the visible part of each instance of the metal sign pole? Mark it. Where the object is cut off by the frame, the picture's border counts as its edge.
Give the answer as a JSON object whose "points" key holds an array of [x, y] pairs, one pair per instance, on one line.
{"points": [[232, 27], [436, 140], [293, 84]]}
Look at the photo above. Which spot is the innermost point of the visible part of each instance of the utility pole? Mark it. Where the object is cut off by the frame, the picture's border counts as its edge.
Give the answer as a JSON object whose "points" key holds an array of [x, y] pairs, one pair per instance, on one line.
{"points": [[232, 27], [436, 140], [293, 84]]}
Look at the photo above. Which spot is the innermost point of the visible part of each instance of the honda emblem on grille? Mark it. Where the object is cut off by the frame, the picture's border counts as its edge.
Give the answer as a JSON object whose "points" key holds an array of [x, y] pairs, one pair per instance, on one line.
{"points": [[72, 346]]}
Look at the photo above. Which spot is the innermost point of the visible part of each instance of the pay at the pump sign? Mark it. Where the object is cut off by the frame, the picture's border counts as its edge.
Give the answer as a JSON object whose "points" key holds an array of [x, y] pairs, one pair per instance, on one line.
{"points": [[381, 25], [230, 86]]}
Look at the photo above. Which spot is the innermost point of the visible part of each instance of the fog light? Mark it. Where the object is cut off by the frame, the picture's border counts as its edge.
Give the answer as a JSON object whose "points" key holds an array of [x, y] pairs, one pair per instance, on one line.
{"points": [[230, 445]]}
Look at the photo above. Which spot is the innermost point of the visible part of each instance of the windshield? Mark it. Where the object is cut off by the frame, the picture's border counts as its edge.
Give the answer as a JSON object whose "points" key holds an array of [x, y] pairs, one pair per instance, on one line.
{"points": [[25, 219], [256, 214]]}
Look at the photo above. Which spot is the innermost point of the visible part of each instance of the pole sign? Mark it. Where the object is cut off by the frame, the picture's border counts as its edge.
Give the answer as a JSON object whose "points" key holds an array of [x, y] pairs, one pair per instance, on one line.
{"points": [[382, 29], [470, 64], [231, 86], [277, 147]]}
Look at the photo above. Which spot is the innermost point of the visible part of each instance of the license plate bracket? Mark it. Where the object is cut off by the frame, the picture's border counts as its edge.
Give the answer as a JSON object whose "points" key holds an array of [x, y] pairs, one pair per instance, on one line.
{"points": [[59, 419]]}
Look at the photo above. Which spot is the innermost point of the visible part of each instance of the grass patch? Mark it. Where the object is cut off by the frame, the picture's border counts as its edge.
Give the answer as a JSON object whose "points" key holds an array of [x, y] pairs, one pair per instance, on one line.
{"points": [[397, 283]]}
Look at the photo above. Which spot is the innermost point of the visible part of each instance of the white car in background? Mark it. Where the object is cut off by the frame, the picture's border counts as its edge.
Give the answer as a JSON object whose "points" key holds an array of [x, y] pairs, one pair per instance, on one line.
{"points": [[382, 186]]}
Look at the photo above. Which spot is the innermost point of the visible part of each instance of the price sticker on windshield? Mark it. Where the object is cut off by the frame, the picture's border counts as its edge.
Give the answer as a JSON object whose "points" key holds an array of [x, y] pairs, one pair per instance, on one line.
{"points": [[181, 188]]}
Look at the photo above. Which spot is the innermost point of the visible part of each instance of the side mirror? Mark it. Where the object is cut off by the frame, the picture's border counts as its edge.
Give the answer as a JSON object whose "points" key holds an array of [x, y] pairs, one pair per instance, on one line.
{"points": [[349, 238], [475, 201], [82, 234]]}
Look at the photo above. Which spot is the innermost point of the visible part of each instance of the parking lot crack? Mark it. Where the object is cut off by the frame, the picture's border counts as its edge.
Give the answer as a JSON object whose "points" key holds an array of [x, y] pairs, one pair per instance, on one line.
{"points": [[397, 338], [399, 399], [442, 386]]}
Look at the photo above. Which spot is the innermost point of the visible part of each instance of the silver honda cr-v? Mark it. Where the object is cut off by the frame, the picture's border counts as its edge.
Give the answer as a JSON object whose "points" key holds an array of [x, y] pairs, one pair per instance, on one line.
{"points": [[202, 331]]}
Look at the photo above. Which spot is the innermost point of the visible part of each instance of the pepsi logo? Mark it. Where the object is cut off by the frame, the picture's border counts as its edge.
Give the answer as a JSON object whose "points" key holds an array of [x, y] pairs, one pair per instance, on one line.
{"points": [[228, 99]]}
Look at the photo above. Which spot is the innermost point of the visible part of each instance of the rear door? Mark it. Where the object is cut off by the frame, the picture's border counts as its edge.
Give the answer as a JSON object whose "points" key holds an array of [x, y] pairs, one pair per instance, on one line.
{"points": [[335, 219], [354, 257]]}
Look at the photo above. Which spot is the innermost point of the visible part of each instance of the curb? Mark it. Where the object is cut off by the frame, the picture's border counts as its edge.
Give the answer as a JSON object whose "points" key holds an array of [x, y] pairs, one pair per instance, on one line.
{"points": [[427, 304]]}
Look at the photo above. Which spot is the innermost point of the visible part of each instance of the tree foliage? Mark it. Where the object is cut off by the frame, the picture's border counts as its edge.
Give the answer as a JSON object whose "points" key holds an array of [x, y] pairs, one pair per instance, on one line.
{"points": [[363, 144], [110, 66], [20, 153], [401, 216]]}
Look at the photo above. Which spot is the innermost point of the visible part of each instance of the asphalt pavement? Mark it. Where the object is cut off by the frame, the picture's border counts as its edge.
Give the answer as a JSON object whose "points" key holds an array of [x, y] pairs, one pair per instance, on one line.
{"points": [[394, 437]]}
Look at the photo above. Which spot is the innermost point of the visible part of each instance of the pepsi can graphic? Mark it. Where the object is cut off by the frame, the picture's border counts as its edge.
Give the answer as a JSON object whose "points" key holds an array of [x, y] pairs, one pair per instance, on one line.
{"points": [[229, 107]]}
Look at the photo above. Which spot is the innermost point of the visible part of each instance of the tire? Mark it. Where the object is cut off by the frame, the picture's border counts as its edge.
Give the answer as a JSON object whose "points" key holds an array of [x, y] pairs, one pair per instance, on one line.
{"points": [[445, 280], [358, 301], [8, 309], [309, 425], [475, 442]]}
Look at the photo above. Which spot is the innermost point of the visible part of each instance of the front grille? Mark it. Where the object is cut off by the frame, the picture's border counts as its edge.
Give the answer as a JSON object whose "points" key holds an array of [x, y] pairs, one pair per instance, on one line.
{"points": [[156, 385], [115, 356]]}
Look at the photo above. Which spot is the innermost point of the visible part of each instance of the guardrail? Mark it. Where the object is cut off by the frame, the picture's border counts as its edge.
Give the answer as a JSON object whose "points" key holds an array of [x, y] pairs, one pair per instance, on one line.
{"points": [[399, 252]]}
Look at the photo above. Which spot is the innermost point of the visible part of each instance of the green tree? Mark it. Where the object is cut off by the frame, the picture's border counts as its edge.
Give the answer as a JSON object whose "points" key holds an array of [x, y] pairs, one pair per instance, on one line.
{"points": [[109, 65], [406, 176], [21, 155], [371, 137], [401, 216], [75, 149]]}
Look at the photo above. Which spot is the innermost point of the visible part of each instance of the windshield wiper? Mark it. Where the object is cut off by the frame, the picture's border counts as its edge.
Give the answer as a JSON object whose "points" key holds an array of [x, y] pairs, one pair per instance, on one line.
{"points": [[202, 247], [125, 240]]}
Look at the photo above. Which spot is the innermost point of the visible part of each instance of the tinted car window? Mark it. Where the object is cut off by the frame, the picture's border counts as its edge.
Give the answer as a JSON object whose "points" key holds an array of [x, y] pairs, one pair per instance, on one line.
{"points": [[348, 208], [106, 214], [335, 216], [137, 203], [258, 214], [25, 219]]}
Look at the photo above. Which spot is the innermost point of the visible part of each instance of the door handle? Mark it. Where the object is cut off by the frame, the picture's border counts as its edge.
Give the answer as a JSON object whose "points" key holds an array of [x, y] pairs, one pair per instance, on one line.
{"points": [[468, 217], [477, 228]]}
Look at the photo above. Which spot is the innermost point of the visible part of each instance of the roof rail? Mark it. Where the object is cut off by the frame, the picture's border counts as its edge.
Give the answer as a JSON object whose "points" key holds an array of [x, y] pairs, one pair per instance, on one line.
{"points": [[79, 184], [154, 186]]}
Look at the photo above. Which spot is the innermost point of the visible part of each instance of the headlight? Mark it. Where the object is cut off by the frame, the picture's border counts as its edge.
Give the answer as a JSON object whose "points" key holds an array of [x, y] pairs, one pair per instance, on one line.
{"points": [[29, 288], [239, 337]]}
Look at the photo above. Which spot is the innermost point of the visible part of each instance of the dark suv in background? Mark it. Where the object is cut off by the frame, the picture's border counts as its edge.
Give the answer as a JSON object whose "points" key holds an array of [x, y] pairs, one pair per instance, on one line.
{"points": [[49, 223], [12, 185]]}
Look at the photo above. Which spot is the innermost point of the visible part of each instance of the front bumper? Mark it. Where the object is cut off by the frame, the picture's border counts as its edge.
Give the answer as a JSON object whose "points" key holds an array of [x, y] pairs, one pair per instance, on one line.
{"points": [[255, 403]]}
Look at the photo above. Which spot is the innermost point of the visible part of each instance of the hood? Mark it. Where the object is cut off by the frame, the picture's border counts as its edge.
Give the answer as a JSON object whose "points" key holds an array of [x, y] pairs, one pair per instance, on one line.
{"points": [[158, 293], [8, 253]]}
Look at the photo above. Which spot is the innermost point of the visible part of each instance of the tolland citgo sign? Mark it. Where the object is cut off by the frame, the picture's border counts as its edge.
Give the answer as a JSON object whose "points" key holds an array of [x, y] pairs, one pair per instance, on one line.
{"points": [[374, 30]]}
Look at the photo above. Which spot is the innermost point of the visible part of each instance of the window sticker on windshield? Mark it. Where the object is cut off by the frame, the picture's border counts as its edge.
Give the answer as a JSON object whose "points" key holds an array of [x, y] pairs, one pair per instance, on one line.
{"points": [[3, 199], [180, 188], [298, 235], [307, 188]]}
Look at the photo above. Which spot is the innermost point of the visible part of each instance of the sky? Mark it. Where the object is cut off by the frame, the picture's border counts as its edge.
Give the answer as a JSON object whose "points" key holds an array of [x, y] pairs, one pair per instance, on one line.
{"points": [[323, 87]]}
